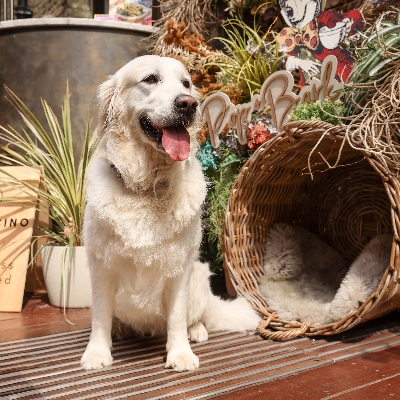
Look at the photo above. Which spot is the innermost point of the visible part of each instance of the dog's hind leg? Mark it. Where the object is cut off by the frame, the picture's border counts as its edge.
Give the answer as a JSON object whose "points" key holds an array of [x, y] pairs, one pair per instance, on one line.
{"points": [[214, 313], [197, 332], [98, 351]]}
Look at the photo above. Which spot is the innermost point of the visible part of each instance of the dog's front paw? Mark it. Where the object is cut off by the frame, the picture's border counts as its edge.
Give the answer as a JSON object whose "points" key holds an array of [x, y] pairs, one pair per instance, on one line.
{"points": [[182, 361], [197, 332], [96, 357]]}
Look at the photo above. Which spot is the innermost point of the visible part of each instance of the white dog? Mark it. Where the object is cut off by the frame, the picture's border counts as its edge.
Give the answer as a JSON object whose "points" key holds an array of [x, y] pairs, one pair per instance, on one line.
{"points": [[142, 225]]}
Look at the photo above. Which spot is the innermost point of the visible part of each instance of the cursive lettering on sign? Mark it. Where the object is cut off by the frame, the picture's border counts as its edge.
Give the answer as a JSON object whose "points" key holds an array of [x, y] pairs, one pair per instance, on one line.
{"points": [[327, 87], [276, 93], [216, 111], [238, 119]]}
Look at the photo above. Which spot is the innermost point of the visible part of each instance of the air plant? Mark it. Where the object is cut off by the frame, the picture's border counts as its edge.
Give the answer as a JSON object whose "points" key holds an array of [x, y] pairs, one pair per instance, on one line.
{"points": [[377, 54], [248, 59]]}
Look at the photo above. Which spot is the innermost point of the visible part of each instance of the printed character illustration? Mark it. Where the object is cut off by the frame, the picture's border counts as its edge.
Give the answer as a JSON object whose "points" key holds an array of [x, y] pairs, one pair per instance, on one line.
{"points": [[313, 34]]}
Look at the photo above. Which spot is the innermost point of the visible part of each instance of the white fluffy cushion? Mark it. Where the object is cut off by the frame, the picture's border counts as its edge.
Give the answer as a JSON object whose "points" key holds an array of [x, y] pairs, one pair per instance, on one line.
{"points": [[363, 277], [305, 279], [301, 273]]}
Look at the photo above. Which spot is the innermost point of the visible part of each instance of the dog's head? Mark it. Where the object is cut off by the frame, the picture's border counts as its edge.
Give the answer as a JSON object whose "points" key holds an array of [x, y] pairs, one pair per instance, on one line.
{"points": [[152, 98]]}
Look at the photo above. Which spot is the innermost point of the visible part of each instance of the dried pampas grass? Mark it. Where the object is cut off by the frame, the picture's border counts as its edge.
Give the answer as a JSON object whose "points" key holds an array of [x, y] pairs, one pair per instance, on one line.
{"points": [[177, 41], [196, 14]]}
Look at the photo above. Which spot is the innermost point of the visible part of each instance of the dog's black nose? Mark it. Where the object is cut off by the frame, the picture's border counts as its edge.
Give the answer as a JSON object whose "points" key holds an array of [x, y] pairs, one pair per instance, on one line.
{"points": [[186, 104]]}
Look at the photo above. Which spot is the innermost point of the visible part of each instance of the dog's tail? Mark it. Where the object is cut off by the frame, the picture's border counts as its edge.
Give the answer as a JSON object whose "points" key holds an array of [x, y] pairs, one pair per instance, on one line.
{"points": [[235, 315], [218, 314]]}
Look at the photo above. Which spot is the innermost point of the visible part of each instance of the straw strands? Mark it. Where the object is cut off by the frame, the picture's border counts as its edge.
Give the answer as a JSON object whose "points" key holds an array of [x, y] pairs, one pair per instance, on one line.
{"points": [[376, 128]]}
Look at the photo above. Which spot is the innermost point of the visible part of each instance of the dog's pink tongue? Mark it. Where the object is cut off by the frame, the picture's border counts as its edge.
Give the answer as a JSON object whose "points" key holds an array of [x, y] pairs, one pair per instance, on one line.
{"points": [[176, 142]]}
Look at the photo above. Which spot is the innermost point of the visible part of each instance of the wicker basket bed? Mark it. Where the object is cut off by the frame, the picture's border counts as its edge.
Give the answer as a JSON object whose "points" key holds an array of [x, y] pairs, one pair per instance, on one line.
{"points": [[346, 205]]}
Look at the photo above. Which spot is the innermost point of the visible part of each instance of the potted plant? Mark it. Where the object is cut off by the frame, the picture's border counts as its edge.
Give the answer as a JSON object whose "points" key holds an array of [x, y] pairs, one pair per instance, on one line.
{"points": [[65, 271]]}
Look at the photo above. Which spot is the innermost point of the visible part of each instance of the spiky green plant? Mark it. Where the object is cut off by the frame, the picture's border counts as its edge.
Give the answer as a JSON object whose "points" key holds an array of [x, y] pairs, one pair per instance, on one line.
{"points": [[379, 50], [53, 150], [248, 59]]}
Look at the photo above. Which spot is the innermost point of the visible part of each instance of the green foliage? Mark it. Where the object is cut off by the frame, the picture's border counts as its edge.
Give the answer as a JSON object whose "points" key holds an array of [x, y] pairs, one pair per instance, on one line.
{"points": [[382, 47], [379, 50], [218, 197], [327, 110], [53, 150], [218, 202], [249, 59]]}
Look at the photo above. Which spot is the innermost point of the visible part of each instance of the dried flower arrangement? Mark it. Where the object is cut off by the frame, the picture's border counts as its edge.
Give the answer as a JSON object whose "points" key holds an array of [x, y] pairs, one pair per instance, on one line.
{"points": [[196, 14], [248, 57], [177, 41]]}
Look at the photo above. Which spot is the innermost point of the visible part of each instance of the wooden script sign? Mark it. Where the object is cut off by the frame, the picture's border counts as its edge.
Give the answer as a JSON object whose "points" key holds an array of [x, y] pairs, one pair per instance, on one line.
{"points": [[16, 225], [276, 93]]}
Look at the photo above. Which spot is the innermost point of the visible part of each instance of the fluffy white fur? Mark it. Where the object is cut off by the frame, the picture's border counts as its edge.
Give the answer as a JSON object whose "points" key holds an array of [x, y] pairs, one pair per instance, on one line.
{"points": [[143, 232], [301, 273], [363, 277], [307, 280]]}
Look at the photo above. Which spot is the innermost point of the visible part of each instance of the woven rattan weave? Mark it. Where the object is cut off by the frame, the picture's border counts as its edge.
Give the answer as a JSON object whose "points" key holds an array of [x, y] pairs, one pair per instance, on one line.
{"points": [[310, 176]]}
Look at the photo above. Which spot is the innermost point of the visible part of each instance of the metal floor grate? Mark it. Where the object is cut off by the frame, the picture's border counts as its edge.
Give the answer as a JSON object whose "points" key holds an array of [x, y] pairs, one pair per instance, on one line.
{"points": [[48, 367]]}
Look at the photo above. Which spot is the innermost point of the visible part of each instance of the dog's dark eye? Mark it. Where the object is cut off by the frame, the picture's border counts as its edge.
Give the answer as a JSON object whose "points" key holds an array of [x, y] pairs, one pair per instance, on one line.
{"points": [[186, 84], [151, 79]]}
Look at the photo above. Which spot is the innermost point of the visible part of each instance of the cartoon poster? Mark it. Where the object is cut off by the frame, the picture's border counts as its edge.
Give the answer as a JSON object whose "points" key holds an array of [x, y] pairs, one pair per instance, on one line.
{"points": [[138, 11], [312, 34]]}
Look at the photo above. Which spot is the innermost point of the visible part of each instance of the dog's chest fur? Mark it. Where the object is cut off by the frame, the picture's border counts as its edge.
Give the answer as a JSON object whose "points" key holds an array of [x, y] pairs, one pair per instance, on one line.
{"points": [[145, 238]]}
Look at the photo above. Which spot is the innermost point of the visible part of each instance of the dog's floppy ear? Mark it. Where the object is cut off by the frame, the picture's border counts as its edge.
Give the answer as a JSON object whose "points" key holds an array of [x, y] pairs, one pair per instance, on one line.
{"points": [[107, 95]]}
